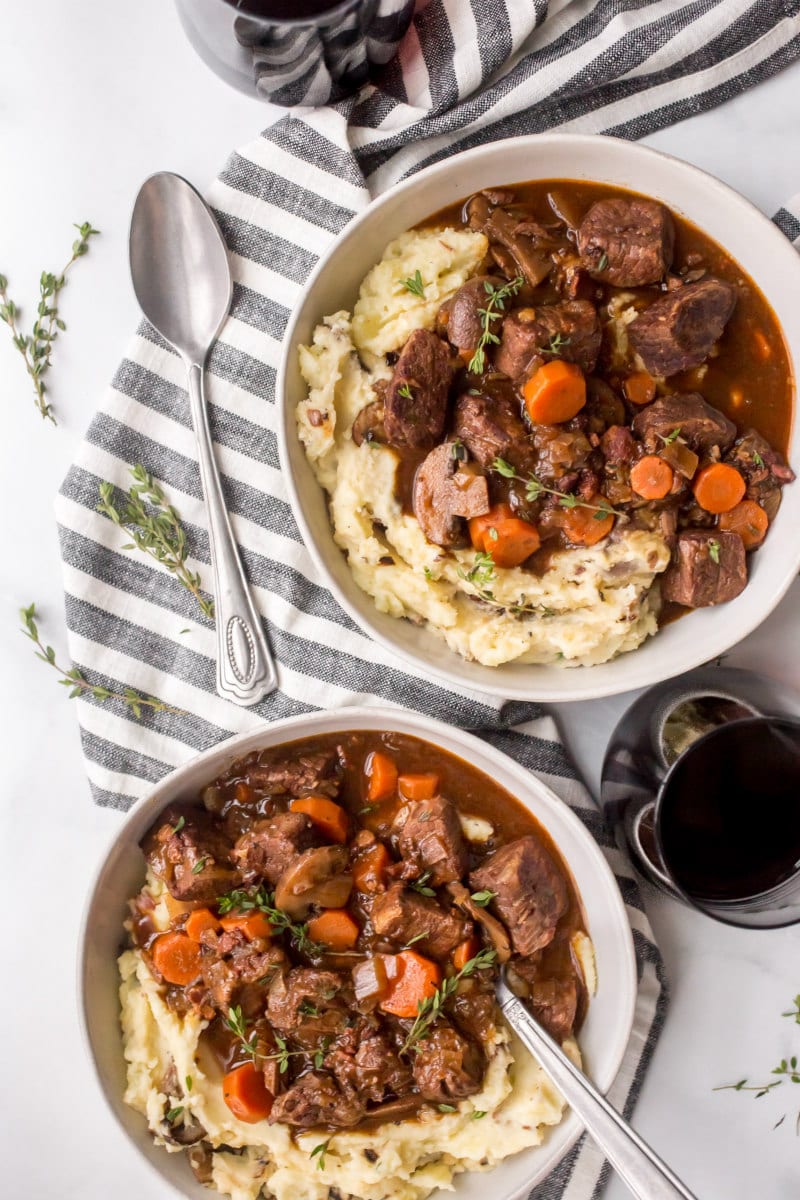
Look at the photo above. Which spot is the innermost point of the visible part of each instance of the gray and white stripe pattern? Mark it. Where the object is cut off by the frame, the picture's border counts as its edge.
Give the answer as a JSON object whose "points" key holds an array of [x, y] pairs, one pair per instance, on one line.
{"points": [[466, 73]]}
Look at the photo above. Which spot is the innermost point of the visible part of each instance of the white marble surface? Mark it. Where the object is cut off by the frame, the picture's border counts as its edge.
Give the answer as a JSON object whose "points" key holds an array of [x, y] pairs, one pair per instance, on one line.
{"points": [[94, 97]]}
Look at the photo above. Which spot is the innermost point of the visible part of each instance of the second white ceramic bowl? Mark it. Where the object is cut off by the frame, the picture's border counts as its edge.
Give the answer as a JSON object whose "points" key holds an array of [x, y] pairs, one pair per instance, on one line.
{"points": [[603, 1037], [760, 248]]}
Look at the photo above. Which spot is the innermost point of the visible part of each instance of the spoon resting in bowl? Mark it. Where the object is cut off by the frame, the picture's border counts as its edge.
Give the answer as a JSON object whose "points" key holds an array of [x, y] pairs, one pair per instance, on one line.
{"points": [[644, 1173]]}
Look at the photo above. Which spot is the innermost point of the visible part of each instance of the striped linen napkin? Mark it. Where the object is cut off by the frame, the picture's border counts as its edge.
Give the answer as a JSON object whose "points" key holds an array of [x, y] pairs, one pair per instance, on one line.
{"points": [[466, 73]]}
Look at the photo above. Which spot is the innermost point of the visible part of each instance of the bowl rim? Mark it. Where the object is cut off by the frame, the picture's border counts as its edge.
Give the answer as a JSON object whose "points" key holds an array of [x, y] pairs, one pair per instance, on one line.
{"points": [[572, 684], [456, 741]]}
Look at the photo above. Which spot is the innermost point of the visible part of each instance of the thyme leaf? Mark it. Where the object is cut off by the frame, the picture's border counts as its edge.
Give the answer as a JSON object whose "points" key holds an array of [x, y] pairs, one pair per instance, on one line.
{"points": [[155, 526], [534, 488], [244, 900], [415, 285]]}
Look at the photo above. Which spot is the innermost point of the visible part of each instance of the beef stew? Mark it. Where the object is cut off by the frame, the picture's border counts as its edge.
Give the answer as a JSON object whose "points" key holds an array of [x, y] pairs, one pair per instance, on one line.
{"points": [[610, 367], [351, 899]]}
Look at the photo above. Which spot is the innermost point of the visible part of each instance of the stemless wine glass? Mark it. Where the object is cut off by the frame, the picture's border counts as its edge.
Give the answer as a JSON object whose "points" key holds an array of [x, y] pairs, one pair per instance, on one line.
{"points": [[701, 785], [296, 52]]}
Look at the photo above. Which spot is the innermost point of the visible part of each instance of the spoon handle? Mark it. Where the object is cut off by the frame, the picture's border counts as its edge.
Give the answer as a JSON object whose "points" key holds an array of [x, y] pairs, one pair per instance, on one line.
{"points": [[647, 1177], [245, 670]]}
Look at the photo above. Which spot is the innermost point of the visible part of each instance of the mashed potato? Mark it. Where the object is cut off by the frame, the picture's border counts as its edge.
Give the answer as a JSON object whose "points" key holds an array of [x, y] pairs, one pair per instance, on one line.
{"points": [[590, 605], [402, 1161]]}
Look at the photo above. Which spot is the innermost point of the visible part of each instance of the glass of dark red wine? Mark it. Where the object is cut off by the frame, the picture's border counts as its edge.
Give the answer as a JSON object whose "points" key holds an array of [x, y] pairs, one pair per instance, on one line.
{"points": [[701, 786], [296, 52]]}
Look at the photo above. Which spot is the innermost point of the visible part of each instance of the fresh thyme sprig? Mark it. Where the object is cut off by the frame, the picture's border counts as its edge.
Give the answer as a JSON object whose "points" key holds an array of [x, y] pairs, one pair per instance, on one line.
{"points": [[431, 1007], [36, 347], [155, 526], [556, 344], [238, 1026], [405, 391], [484, 898], [77, 683], [713, 550], [534, 489], [787, 1071], [415, 285], [319, 1153], [245, 901], [494, 308], [481, 574], [283, 1053]]}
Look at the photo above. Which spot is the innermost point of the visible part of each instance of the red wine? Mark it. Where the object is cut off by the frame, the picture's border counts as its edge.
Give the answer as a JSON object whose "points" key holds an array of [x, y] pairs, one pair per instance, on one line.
{"points": [[729, 812]]}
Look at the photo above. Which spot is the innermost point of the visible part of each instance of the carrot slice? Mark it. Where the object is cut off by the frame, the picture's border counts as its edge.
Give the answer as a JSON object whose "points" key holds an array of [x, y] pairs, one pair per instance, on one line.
{"points": [[329, 818], [718, 488], [479, 526], [370, 867], [465, 951], [382, 775], [749, 520], [417, 978], [555, 392], [198, 921], [418, 787], [252, 924], [510, 541], [335, 928], [246, 1094], [651, 477], [640, 388], [586, 526], [177, 958]]}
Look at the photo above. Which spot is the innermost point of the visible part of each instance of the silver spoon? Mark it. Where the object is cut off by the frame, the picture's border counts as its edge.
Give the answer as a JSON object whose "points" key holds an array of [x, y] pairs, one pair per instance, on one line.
{"points": [[182, 281], [647, 1177]]}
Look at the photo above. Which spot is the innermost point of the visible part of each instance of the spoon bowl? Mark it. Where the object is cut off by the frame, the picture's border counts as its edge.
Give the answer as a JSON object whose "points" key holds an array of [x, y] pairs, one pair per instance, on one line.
{"points": [[179, 265]]}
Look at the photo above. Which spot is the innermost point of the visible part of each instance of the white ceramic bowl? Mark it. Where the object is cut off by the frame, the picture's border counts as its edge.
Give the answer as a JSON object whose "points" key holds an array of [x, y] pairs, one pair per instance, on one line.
{"points": [[608, 1024], [766, 255]]}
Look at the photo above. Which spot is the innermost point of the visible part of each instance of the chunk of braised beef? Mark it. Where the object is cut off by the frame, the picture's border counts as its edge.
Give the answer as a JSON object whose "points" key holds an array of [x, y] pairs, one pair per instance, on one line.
{"points": [[370, 1066], [400, 914], [475, 1011], [447, 1066], [530, 895], [309, 1004], [554, 1001], [708, 567], [490, 426], [317, 1099], [527, 243], [619, 445], [188, 849], [428, 834], [267, 848], [569, 330], [765, 470], [462, 319], [628, 243], [688, 416], [415, 402], [230, 970], [297, 775], [679, 329], [445, 492]]}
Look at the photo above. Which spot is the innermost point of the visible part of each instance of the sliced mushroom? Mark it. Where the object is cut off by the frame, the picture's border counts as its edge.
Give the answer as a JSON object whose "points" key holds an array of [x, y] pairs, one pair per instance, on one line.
{"points": [[185, 1130], [317, 876], [493, 928], [201, 1160], [446, 491], [368, 425]]}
